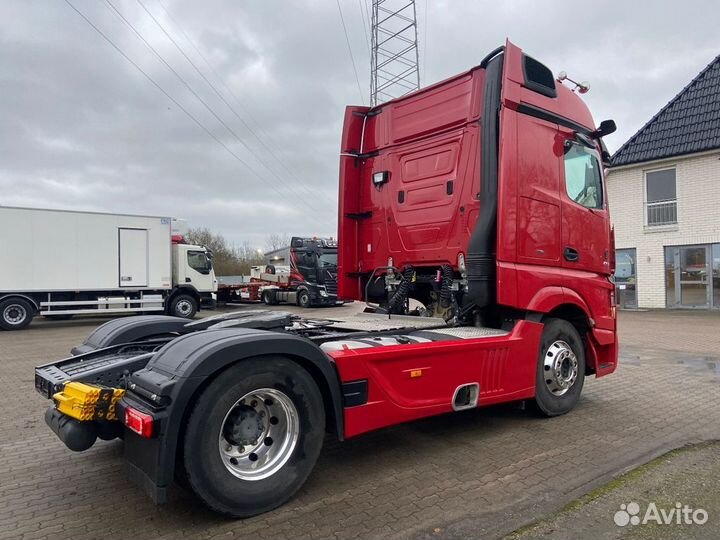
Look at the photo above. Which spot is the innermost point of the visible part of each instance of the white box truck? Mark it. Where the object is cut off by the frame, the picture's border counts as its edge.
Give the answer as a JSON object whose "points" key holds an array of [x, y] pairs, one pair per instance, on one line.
{"points": [[58, 263]]}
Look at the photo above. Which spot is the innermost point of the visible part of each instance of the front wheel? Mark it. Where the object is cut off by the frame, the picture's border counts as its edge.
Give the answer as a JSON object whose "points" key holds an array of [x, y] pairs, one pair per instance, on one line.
{"points": [[560, 370], [254, 436], [184, 306], [303, 299], [15, 313]]}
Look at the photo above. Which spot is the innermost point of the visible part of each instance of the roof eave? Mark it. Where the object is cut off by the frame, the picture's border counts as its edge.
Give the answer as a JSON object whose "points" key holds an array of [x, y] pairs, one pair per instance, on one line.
{"points": [[665, 159]]}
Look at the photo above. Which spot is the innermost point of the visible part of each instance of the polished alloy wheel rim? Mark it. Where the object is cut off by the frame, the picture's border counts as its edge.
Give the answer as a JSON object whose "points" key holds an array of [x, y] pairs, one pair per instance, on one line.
{"points": [[258, 434], [560, 368]]}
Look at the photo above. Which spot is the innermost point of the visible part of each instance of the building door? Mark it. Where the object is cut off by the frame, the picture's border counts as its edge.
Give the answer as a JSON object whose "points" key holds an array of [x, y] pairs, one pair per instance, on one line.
{"points": [[688, 276], [626, 278]]}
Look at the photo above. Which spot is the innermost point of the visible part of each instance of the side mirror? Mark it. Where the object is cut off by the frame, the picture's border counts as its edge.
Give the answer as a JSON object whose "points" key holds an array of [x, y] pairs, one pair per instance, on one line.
{"points": [[606, 128]]}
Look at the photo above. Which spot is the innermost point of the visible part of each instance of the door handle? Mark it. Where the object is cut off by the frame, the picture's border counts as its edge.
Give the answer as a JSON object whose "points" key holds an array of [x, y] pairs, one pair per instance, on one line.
{"points": [[188, 280], [571, 254]]}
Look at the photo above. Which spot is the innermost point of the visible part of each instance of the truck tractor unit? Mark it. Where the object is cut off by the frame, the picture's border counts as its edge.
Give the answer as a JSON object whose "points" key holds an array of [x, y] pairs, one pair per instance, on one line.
{"points": [[62, 263], [473, 220], [312, 280]]}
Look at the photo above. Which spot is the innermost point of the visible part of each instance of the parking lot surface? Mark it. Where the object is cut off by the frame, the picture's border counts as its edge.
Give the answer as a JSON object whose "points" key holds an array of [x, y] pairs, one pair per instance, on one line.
{"points": [[480, 473]]}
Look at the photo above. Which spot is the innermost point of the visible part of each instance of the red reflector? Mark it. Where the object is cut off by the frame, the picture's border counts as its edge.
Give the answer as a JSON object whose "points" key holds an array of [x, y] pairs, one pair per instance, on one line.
{"points": [[140, 423]]}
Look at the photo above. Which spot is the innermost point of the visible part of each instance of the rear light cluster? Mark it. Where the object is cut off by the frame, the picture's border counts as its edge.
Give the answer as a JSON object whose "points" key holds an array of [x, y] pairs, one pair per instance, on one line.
{"points": [[139, 422]]}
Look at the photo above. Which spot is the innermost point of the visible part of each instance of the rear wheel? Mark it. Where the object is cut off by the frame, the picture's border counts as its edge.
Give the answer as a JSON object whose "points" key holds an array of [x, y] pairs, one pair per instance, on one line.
{"points": [[266, 297], [303, 299], [184, 306], [15, 313], [254, 436], [560, 370]]}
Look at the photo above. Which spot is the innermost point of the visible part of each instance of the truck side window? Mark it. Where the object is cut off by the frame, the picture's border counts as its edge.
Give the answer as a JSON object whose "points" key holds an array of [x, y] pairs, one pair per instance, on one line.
{"points": [[198, 260], [583, 179]]}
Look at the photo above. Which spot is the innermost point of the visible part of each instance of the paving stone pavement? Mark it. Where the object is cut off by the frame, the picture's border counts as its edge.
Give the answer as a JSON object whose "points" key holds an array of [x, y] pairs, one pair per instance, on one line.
{"points": [[674, 497], [480, 473]]}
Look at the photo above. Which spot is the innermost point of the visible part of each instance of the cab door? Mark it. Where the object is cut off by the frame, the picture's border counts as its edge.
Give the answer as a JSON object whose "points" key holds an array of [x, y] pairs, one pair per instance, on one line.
{"points": [[199, 271], [585, 231]]}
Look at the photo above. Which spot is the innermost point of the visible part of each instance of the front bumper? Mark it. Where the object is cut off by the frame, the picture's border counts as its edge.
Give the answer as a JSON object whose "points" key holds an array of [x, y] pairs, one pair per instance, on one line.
{"points": [[208, 301]]}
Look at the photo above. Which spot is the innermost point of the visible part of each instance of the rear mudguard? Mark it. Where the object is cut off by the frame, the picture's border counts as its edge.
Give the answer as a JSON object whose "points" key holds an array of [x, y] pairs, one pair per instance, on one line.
{"points": [[129, 329], [176, 374]]}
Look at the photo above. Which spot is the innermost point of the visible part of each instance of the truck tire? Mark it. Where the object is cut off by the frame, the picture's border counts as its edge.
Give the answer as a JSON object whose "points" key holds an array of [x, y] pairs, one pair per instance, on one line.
{"points": [[266, 298], [183, 306], [253, 436], [303, 299], [560, 370], [15, 313]]}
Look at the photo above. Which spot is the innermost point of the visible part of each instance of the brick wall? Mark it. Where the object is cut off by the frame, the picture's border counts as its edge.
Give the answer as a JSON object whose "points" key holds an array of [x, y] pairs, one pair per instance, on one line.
{"points": [[698, 216]]}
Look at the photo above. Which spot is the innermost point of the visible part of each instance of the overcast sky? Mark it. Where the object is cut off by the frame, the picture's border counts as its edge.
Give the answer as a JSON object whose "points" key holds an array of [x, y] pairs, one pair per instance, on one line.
{"points": [[84, 129]]}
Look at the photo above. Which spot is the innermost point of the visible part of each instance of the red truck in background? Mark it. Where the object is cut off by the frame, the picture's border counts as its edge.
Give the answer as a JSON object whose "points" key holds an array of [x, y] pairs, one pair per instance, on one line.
{"points": [[473, 220]]}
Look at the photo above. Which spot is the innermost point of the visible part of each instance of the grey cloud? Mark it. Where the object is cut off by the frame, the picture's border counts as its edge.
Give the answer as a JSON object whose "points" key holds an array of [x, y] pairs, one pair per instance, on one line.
{"points": [[83, 129]]}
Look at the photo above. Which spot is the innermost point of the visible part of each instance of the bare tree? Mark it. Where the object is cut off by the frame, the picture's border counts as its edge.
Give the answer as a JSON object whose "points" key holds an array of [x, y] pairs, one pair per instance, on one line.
{"points": [[277, 241], [227, 260]]}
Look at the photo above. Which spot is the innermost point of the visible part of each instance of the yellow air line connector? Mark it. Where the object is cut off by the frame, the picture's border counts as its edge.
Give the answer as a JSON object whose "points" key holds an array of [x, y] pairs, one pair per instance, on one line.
{"points": [[86, 402]]}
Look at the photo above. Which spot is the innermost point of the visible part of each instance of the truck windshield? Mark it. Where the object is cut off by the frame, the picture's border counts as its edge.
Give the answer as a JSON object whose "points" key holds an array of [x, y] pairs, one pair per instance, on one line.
{"points": [[198, 260], [328, 259]]}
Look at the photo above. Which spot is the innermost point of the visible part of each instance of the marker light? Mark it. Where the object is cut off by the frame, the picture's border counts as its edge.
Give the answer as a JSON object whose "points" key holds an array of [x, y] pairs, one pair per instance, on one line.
{"points": [[140, 423]]}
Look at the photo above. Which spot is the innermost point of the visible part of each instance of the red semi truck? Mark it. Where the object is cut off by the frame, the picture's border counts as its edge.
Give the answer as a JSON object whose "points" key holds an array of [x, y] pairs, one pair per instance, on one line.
{"points": [[473, 220]]}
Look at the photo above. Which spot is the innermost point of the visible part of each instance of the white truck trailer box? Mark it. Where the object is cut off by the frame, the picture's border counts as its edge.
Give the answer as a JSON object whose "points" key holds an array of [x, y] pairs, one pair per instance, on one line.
{"points": [[59, 263], [54, 250]]}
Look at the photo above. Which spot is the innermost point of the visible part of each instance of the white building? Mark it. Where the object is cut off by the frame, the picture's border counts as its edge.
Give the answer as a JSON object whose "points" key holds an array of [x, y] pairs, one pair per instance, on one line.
{"points": [[664, 196]]}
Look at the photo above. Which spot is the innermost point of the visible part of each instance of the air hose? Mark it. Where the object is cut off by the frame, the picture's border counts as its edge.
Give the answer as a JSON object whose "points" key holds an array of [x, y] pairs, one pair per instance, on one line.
{"points": [[396, 304], [446, 286]]}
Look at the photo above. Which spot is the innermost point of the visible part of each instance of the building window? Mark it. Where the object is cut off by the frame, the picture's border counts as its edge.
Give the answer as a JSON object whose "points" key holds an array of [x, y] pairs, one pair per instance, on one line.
{"points": [[660, 197]]}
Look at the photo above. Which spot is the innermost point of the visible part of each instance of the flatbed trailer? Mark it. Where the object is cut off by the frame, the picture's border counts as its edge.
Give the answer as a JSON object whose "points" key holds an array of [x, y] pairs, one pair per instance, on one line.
{"points": [[473, 222], [237, 293], [270, 288]]}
